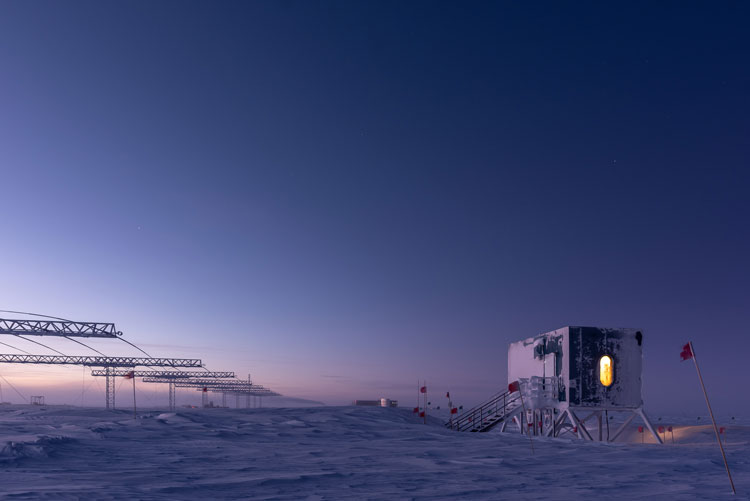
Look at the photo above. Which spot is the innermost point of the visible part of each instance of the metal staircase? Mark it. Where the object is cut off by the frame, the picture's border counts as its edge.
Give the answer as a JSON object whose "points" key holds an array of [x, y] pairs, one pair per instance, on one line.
{"points": [[498, 409]]}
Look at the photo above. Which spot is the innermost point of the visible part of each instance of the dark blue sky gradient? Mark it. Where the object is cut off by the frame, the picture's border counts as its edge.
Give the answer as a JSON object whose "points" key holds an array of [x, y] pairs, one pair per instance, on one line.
{"points": [[343, 197]]}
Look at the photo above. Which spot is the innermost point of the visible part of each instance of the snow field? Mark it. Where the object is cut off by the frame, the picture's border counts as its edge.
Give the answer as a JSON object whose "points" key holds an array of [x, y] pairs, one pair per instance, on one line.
{"points": [[338, 453]]}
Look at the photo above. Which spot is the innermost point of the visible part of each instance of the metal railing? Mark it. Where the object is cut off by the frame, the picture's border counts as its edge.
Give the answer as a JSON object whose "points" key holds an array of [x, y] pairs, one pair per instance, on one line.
{"points": [[486, 415], [540, 391]]}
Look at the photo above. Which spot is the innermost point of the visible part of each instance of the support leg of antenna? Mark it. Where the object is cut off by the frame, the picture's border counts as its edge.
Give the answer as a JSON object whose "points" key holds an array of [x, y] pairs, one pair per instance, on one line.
{"points": [[110, 387], [172, 395]]}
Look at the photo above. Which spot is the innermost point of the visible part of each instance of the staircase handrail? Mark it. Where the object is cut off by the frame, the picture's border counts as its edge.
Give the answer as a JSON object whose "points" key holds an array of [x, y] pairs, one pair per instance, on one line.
{"points": [[470, 415], [484, 404]]}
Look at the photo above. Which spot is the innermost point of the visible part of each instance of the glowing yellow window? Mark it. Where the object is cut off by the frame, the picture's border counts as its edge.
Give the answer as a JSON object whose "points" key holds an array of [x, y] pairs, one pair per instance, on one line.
{"points": [[606, 370]]}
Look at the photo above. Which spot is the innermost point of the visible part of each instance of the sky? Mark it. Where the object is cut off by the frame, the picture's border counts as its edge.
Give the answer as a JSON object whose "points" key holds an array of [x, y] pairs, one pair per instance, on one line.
{"points": [[342, 198]]}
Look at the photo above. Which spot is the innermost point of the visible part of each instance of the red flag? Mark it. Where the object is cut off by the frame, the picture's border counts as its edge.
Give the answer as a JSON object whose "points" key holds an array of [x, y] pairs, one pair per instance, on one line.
{"points": [[205, 390], [686, 353], [423, 389], [669, 428], [416, 409], [421, 414], [129, 375], [640, 429], [454, 410], [661, 429], [514, 386], [721, 430], [448, 395]]}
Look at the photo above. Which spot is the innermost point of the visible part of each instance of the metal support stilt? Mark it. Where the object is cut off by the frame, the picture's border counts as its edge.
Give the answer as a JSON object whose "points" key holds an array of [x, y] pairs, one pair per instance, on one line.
{"points": [[558, 423], [582, 431], [642, 414], [110, 388], [172, 397], [622, 427]]}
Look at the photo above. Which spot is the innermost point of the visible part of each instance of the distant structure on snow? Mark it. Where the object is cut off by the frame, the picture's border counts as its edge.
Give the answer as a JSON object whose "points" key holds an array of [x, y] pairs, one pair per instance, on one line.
{"points": [[383, 402]]}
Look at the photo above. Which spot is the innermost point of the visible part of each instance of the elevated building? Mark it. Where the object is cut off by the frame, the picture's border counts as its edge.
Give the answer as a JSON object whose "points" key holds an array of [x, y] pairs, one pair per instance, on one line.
{"points": [[562, 380]]}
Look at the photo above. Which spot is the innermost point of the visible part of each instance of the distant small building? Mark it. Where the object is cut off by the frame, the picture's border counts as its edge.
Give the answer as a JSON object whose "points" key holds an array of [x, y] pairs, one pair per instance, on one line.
{"points": [[37, 400], [383, 402]]}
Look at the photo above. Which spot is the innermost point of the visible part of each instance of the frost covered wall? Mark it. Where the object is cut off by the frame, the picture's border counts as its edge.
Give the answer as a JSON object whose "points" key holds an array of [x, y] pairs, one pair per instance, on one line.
{"points": [[542, 355], [572, 355], [587, 345]]}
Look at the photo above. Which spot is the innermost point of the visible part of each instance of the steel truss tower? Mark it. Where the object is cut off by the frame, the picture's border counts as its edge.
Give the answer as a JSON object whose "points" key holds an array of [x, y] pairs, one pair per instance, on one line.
{"points": [[224, 386], [100, 361], [167, 376], [111, 367], [209, 382], [108, 363], [172, 397], [63, 328]]}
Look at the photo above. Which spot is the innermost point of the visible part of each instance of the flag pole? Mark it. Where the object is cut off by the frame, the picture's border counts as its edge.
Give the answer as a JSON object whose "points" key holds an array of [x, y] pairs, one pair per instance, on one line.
{"points": [[425, 401], [711, 413], [450, 409]]}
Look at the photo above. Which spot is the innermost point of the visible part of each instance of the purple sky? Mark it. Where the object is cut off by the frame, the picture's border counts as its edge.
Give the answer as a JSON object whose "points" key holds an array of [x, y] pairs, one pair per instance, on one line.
{"points": [[341, 198]]}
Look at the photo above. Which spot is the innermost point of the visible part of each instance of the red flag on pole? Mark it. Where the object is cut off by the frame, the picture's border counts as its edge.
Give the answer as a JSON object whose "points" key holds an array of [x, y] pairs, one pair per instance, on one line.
{"points": [[416, 409], [454, 410], [661, 429], [448, 394], [423, 389], [129, 375], [640, 429], [669, 428], [686, 353], [205, 390], [721, 430], [421, 414], [514, 386]]}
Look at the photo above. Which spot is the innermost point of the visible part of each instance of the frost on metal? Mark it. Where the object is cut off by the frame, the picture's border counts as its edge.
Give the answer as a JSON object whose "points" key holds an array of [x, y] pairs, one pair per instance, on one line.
{"points": [[592, 370], [571, 355]]}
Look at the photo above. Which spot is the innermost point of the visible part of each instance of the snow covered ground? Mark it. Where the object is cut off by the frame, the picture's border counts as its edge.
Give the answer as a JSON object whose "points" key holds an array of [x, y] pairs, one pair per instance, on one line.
{"points": [[339, 453]]}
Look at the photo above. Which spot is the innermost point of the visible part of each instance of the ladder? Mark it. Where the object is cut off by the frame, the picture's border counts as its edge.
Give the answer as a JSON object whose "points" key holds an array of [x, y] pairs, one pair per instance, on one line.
{"points": [[482, 418]]}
